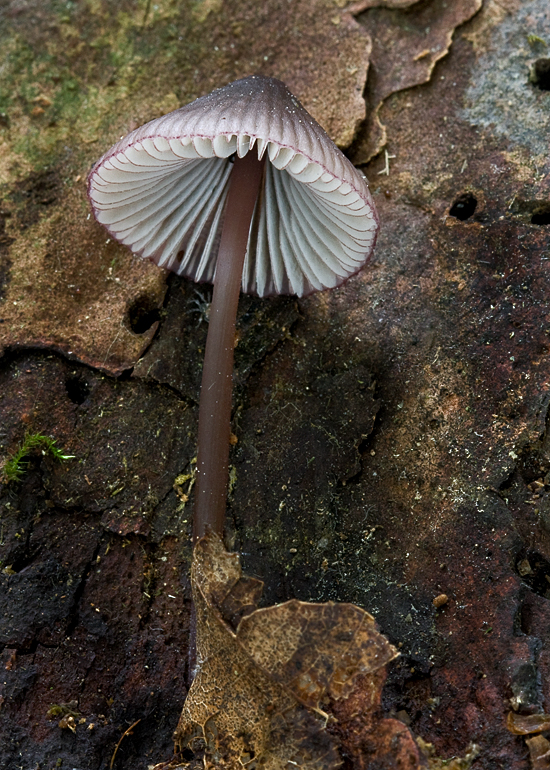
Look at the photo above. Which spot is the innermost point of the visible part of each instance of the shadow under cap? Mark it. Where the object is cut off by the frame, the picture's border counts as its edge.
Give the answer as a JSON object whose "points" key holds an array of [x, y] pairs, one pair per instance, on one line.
{"points": [[162, 190]]}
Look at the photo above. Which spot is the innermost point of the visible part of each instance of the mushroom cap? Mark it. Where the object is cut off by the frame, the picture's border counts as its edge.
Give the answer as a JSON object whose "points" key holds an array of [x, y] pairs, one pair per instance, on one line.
{"points": [[161, 190]]}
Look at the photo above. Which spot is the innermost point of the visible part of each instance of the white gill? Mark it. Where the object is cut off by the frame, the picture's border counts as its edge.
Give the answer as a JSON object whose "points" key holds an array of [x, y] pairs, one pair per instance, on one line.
{"points": [[164, 198]]}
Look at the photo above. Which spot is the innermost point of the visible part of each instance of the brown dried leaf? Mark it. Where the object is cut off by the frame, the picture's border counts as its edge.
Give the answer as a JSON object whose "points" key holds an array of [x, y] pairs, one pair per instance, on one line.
{"points": [[406, 46], [526, 724], [261, 690], [316, 650]]}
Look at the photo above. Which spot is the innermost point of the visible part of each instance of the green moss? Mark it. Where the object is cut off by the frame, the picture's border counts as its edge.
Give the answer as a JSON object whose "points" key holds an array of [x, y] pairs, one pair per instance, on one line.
{"points": [[535, 40], [64, 91], [16, 465]]}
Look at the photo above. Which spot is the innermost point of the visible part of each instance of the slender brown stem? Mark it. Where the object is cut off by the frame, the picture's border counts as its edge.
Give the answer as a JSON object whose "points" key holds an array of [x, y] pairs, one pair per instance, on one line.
{"points": [[216, 388]]}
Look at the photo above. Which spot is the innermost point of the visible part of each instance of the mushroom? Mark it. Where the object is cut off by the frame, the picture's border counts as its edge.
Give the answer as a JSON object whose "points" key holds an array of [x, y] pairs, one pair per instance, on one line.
{"points": [[242, 189]]}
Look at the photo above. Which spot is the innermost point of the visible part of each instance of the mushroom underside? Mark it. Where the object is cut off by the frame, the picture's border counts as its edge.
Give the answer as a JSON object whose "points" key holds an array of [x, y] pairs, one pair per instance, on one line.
{"points": [[165, 199]]}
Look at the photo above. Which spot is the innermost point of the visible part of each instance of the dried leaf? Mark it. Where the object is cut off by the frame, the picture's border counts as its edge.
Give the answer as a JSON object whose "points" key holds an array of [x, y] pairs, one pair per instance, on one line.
{"points": [[316, 650], [262, 691], [406, 46], [526, 724]]}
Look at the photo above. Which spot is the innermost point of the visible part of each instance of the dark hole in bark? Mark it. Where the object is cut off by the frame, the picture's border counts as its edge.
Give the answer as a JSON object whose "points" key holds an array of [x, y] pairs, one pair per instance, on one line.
{"points": [[535, 212], [525, 618], [541, 216], [464, 206], [508, 482], [142, 314], [77, 389], [540, 74]]}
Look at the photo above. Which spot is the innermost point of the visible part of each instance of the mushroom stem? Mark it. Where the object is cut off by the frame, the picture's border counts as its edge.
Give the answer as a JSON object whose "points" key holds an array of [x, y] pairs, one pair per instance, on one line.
{"points": [[216, 388]]}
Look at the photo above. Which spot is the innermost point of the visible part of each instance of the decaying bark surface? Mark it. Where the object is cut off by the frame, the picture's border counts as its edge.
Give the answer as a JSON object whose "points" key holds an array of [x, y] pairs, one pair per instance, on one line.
{"points": [[392, 435]]}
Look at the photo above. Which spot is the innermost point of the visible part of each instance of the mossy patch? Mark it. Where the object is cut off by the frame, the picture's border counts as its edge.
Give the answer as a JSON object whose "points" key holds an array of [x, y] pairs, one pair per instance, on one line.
{"points": [[63, 91], [15, 466]]}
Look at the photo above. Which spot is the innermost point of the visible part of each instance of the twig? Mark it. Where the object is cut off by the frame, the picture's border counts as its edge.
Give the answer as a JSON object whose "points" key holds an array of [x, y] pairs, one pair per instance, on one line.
{"points": [[124, 734], [386, 169]]}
